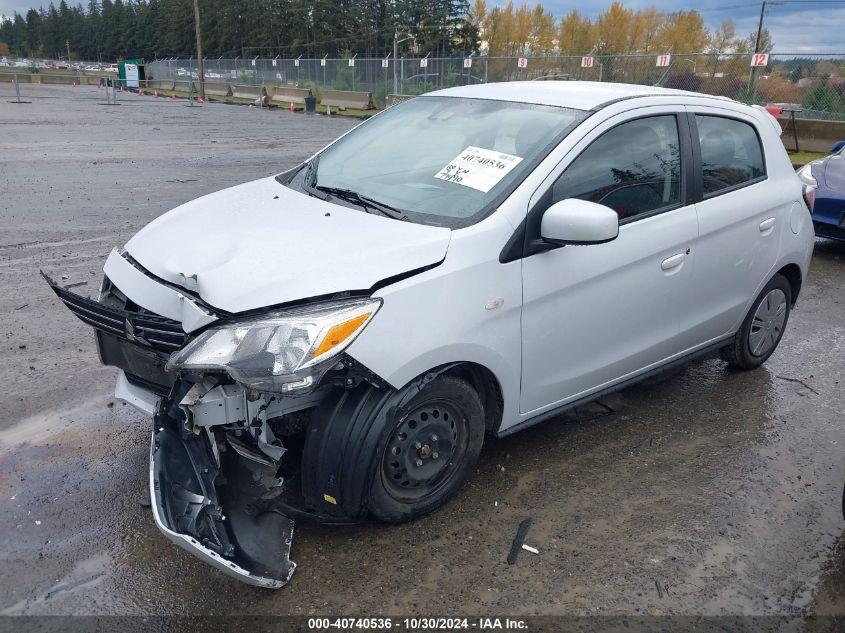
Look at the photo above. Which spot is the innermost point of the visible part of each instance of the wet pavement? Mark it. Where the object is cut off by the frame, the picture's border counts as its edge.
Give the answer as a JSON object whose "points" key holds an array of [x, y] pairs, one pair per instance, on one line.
{"points": [[710, 492]]}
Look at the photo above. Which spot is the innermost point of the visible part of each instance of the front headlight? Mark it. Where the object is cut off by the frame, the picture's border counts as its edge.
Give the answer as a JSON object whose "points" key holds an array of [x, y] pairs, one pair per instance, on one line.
{"points": [[282, 351]]}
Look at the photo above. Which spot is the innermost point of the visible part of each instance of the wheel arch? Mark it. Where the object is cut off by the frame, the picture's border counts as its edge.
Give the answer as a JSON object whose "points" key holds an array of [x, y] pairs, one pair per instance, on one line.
{"points": [[495, 377], [485, 383], [792, 272]]}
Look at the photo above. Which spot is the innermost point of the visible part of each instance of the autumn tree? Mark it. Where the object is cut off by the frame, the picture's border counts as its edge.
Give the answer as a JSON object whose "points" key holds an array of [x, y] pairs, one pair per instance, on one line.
{"points": [[576, 35], [683, 32]]}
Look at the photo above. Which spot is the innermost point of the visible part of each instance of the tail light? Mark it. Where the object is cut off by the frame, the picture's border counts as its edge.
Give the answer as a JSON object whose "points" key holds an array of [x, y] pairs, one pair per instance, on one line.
{"points": [[809, 196], [805, 174]]}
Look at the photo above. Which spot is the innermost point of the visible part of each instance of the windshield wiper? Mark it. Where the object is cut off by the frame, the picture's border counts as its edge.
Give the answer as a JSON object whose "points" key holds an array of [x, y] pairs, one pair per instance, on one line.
{"points": [[356, 198]]}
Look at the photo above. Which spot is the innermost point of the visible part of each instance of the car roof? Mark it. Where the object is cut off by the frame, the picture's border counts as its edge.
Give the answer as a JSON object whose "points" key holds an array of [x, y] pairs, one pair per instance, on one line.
{"points": [[581, 95]]}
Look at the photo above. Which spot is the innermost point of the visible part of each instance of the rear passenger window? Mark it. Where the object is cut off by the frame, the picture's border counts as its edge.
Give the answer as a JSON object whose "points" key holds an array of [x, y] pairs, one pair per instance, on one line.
{"points": [[634, 168], [730, 153]]}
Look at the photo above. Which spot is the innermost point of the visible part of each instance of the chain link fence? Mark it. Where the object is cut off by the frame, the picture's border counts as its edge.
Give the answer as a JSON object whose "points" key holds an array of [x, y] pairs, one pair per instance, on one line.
{"points": [[813, 83]]}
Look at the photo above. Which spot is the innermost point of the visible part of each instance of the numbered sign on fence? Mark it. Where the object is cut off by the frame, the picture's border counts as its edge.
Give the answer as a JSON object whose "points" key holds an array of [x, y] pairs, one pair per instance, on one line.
{"points": [[351, 63], [323, 62], [253, 62], [275, 62], [468, 62], [385, 63], [296, 63], [760, 59], [522, 63], [586, 62], [424, 62], [663, 61]]}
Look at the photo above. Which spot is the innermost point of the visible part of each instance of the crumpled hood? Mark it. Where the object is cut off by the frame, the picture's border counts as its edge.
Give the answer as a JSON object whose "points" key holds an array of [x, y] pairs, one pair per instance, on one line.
{"points": [[261, 244]]}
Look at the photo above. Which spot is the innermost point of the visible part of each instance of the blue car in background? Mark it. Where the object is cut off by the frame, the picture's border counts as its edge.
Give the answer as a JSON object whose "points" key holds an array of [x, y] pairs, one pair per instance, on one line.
{"points": [[825, 193]]}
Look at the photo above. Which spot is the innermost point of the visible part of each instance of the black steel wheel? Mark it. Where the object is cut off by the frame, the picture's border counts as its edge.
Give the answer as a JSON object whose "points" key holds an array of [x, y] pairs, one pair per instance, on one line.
{"points": [[423, 450], [429, 448]]}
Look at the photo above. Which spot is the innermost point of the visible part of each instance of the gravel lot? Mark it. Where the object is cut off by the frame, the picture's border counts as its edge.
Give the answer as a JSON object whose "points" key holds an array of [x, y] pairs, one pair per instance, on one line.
{"points": [[710, 492]]}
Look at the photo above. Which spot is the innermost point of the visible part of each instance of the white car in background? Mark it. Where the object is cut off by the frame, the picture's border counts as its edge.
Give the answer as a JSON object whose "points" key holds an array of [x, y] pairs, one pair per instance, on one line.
{"points": [[335, 342]]}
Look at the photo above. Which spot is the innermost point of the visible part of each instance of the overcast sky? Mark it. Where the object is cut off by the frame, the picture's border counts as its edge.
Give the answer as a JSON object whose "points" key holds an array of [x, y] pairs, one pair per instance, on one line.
{"points": [[797, 27]]}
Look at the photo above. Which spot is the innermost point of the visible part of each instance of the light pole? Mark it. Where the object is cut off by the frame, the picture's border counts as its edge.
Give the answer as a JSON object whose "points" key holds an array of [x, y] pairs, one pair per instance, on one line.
{"points": [[396, 42], [200, 65], [757, 46]]}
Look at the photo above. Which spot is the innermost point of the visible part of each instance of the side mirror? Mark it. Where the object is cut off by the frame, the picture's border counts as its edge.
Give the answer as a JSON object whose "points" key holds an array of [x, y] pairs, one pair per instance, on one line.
{"points": [[575, 221]]}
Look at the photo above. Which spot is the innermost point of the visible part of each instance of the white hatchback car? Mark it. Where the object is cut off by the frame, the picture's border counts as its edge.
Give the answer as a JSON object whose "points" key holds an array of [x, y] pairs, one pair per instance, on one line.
{"points": [[336, 341]]}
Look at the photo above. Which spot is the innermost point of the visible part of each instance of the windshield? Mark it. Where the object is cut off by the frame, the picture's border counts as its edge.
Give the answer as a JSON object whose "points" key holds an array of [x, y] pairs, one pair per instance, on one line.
{"points": [[439, 160]]}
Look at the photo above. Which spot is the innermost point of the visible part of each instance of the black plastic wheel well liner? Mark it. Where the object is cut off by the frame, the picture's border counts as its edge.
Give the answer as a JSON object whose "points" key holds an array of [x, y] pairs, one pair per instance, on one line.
{"points": [[793, 275], [341, 443], [340, 446], [486, 385]]}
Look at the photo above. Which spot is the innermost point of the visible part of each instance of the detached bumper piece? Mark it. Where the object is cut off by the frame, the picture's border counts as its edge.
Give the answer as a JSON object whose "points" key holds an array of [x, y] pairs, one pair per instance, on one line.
{"points": [[214, 516]]}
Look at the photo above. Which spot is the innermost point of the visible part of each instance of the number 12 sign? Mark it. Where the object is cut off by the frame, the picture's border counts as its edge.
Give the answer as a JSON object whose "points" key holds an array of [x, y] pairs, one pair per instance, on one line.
{"points": [[760, 59]]}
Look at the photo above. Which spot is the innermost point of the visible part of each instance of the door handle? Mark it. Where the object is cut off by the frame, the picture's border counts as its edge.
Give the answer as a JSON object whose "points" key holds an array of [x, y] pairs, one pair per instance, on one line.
{"points": [[766, 226], [672, 262]]}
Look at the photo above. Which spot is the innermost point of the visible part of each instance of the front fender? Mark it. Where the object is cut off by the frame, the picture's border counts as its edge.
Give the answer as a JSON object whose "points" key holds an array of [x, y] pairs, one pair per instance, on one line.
{"points": [[468, 309]]}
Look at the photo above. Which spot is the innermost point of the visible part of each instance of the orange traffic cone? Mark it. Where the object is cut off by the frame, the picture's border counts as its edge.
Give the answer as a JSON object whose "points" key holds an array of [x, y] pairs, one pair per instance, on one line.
{"points": [[172, 95], [155, 93], [291, 106], [200, 100], [74, 84]]}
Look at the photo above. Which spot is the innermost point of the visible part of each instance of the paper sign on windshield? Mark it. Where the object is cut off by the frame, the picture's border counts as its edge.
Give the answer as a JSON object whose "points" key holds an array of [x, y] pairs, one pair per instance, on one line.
{"points": [[478, 168]]}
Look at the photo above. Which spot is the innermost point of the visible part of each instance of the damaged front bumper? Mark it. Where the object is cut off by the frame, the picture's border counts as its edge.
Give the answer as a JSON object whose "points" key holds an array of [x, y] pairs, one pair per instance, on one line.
{"points": [[228, 530], [212, 489]]}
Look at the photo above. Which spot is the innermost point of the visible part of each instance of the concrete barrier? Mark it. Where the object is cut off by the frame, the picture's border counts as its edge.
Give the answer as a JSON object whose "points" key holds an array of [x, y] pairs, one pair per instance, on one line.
{"points": [[184, 85], [63, 80], [255, 94], [217, 89], [22, 78], [285, 95], [347, 99], [160, 84], [393, 99], [813, 135]]}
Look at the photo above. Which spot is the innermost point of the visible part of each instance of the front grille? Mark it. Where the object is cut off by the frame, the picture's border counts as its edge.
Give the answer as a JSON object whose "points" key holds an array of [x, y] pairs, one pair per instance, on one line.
{"points": [[150, 385], [146, 330]]}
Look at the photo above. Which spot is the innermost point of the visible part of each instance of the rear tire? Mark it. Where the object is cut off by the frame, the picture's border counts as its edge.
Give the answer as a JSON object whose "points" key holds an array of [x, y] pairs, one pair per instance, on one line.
{"points": [[763, 327]]}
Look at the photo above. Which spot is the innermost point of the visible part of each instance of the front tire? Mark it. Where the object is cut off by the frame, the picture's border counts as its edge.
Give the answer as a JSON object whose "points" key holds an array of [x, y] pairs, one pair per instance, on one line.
{"points": [[428, 450], [350, 463], [763, 327]]}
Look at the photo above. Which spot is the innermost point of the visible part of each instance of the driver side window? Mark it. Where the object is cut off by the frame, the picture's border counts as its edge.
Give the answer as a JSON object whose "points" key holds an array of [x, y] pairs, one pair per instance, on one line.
{"points": [[634, 168]]}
